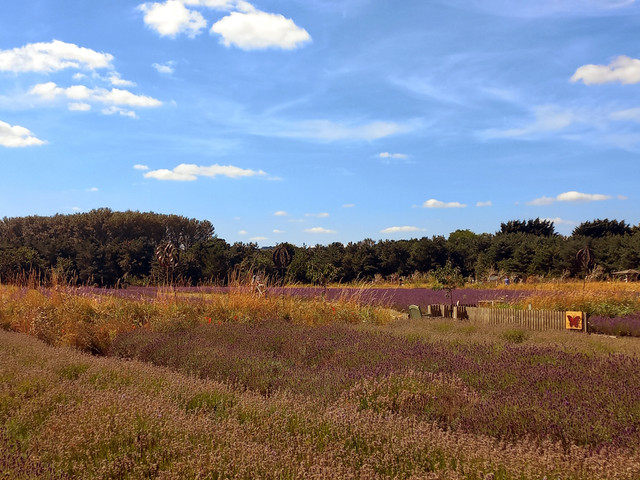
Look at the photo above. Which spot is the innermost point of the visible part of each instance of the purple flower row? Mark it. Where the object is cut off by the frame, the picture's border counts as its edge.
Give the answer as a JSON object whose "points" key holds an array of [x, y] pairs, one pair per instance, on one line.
{"points": [[626, 326]]}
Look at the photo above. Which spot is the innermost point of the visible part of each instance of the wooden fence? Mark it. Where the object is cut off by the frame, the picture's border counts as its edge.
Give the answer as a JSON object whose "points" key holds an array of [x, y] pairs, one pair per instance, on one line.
{"points": [[529, 319]]}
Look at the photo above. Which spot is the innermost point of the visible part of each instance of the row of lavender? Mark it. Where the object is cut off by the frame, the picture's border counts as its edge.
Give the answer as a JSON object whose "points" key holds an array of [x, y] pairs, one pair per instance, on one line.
{"points": [[538, 392]]}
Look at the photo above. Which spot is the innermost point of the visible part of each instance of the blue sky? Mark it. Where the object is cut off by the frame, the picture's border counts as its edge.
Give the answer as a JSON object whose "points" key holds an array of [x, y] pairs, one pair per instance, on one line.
{"points": [[315, 121]]}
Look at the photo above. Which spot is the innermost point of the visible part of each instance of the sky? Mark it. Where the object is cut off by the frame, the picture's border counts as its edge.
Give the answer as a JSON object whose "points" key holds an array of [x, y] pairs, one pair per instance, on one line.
{"points": [[320, 121]]}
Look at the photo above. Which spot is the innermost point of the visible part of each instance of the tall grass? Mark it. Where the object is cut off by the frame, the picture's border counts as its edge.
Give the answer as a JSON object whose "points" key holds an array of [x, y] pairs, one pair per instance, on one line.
{"points": [[90, 321]]}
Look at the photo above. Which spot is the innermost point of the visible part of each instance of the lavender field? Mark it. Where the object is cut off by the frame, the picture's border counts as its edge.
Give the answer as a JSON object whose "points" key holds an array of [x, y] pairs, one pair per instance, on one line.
{"points": [[191, 384]]}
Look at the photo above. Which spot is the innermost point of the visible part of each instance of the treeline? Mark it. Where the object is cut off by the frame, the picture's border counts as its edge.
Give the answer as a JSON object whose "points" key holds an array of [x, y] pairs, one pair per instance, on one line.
{"points": [[109, 248]]}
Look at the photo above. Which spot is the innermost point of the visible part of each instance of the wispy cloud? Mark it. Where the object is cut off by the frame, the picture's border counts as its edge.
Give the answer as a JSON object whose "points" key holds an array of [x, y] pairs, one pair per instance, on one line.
{"points": [[484, 204], [328, 130], [190, 172], [622, 69], [258, 239], [317, 215], [320, 230], [281, 213], [92, 189], [348, 205], [15, 136], [548, 118], [140, 167], [404, 229], [433, 203], [400, 156], [572, 197]]}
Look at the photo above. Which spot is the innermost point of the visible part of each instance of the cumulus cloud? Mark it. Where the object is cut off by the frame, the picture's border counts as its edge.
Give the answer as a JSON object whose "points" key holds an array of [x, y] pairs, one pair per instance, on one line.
{"points": [[433, 203], [258, 30], [622, 69], [317, 215], [243, 232], [258, 239], [319, 230], [140, 167], [484, 204], [402, 229], [277, 231], [165, 68], [115, 97], [579, 197], [190, 172], [172, 18], [117, 81], [281, 213], [572, 197], [79, 107], [52, 57], [16, 136]]}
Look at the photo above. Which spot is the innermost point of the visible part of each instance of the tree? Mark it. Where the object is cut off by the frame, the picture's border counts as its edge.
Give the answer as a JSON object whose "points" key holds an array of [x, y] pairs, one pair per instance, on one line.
{"points": [[538, 227], [448, 278], [601, 228]]}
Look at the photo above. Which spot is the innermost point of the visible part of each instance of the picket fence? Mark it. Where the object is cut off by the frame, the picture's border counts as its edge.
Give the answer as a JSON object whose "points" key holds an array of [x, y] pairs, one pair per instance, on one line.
{"points": [[529, 319]]}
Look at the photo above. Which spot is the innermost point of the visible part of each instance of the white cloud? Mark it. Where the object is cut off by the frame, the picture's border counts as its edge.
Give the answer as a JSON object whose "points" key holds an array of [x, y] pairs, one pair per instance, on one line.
{"points": [[278, 231], [166, 68], [52, 57], [115, 97], [140, 167], [79, 107], [258, 239], [622, 69], [560, 221], [484, 204], [17, 136], [402, 229], [317, 215], [113, 110], [190, 172], [433, 203], [172, 18], [348, 205], [257, 30], [119, 82], [541, 201], [622, 197], [574, 196], [243, 232], [399, 156], [319, 230], [281, 213], [571, 196], [92, 189], [332, 131]]}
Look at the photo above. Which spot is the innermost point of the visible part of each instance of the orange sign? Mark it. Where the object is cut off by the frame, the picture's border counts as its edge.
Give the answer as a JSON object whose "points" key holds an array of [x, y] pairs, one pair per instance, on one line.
{"points": [[573, 320]]}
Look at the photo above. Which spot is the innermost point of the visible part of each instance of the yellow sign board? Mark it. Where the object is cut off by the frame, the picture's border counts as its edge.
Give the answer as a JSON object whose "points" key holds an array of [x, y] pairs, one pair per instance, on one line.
{"points": [[573, 320]]}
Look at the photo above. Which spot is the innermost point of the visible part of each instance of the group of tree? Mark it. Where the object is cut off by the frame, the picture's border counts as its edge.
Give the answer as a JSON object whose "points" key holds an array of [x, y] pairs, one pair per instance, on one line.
{"points": [[108, 248]]}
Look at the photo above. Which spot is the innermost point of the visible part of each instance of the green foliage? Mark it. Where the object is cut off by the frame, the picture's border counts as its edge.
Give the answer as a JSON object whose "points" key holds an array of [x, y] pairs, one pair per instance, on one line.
{"points": [[601, 228], [447, 278]]}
